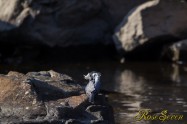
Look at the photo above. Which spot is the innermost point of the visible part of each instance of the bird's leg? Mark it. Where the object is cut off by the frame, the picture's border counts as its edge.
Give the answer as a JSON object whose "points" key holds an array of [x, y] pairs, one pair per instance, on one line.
{"points": [[91, 98]]}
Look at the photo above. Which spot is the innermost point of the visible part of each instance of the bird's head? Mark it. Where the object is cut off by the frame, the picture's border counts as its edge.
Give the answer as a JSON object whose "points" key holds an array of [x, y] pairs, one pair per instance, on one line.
{"points": [[92, 75]]}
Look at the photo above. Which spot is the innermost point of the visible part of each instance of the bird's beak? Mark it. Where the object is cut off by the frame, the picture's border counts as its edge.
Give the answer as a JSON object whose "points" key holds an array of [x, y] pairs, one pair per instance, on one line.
{"points": [[86, 76]]}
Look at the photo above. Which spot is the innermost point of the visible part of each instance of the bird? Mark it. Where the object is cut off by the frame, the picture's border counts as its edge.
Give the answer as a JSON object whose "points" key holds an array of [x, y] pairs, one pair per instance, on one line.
{"points": [[93, 86]]}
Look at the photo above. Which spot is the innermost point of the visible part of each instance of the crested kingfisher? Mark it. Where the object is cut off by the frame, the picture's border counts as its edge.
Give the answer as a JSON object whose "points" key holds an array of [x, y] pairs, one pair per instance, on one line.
{"points": [[93, 86]]}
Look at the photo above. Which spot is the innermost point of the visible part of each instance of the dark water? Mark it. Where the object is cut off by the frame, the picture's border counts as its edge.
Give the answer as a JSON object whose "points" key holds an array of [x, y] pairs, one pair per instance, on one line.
{"points": [[131, 86]]}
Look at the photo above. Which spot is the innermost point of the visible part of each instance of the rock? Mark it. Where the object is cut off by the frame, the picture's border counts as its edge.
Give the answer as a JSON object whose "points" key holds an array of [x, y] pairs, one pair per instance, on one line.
{"points": [[12, 14], [176, 52], [120, 8], [95, 110], [61, 22], [151, 25], [54, 22], [46, 97], [47, 26]]}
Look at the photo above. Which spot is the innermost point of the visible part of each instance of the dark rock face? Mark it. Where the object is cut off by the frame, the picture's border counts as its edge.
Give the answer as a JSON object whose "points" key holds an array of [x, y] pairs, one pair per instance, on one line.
{"points": [[120, 8], [61, 22], [55, 22], [29, 24], [48, 97], [31, 29], [153, 22]]}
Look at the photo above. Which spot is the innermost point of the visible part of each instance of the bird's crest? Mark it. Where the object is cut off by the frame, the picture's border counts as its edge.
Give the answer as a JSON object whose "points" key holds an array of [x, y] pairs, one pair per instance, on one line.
{"points": [[91, 75]]}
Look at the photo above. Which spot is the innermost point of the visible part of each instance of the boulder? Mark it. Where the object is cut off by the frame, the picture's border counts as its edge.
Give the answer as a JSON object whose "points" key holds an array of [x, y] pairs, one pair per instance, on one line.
{"points": [[53, 22], [61, 22], [151, 25], [176, 52], [48, 97], [120, 8]]}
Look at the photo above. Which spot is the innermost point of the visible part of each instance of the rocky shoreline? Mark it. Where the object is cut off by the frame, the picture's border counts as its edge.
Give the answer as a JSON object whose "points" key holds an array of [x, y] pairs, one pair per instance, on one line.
{"points": [[48, 97]]}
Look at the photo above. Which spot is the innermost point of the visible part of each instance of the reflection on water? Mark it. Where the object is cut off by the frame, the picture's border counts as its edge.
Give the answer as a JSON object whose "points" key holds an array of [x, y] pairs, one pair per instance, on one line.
{"points": [[149, 86], [127, 82], [128, 102], [133, 86]]}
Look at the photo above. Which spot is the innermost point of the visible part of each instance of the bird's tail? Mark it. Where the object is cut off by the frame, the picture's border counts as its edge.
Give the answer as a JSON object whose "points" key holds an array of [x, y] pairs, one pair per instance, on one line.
{"points": [[91, 98]]}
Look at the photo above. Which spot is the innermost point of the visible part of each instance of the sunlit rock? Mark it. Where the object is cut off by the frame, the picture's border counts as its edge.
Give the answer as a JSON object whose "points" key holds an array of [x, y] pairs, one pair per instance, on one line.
{"points": [[151, 25]]}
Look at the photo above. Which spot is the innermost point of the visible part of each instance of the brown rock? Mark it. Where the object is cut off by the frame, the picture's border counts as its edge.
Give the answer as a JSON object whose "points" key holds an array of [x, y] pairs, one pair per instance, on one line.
{"points": [[44, 97], [76, 101], [18, 99]]}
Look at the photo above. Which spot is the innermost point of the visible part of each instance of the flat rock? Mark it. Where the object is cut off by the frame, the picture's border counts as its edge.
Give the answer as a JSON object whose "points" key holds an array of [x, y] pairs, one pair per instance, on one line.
{"points": [[44, 97]]}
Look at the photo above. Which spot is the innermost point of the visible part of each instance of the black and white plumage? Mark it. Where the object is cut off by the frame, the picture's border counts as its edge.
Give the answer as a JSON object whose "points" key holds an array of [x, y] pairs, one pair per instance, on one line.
{"points": [[93, 86]]}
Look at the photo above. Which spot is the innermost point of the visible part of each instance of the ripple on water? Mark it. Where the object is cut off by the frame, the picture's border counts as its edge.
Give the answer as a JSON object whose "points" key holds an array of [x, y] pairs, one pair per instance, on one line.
{"points": [[148, 91]]}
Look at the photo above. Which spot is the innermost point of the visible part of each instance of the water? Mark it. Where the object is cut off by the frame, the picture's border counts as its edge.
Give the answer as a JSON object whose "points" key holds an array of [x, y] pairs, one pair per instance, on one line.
{"points": [[130, 86]]}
